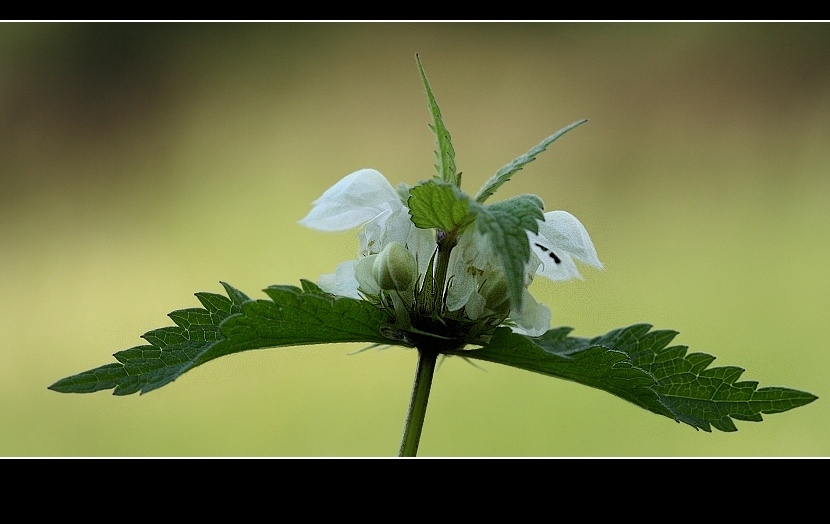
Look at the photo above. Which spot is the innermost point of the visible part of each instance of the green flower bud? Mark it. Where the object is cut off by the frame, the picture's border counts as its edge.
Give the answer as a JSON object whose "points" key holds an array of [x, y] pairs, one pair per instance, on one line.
{"points": [[395, 268]]}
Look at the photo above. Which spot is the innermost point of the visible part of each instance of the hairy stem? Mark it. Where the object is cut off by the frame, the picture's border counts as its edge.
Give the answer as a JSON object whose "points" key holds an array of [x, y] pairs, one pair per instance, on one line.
{"points": [[418, 403]]}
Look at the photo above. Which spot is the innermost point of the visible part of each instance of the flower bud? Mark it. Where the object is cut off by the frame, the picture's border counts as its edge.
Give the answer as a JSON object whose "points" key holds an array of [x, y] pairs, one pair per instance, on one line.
{"points": [[395, 268]]}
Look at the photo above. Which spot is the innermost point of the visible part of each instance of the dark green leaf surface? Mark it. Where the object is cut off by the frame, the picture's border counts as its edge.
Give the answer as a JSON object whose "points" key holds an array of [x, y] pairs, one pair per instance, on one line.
{"points": [[504, 174], [696, 394], [228, 325], [633, 363], [638, 365], [505, 225], [557, 355]]}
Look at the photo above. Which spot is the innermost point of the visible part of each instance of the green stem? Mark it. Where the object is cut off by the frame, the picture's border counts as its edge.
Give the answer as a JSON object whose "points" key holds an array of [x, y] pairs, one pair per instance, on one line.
{"points": [[418, 403], [446, 243]]}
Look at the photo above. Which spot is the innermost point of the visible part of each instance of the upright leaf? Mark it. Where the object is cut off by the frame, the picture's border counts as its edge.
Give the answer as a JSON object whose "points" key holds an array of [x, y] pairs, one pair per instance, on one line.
{"points": [[445, 155], [504, 174]]}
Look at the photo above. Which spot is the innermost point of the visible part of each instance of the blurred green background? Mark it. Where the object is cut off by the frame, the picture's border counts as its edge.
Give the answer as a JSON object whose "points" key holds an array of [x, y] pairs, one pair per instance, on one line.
{"points": [[141, 163]]}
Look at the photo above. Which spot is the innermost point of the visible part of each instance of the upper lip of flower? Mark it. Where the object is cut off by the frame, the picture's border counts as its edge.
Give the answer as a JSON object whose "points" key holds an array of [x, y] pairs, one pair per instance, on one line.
{"points": [[561, 238], [363, 198], [358, 198]]}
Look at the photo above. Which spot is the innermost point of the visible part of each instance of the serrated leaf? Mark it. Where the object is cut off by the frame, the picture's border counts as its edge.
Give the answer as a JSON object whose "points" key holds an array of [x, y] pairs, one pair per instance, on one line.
{"points": [[226, 325], [575, 359], [439, 205], [638, 365], [507, 171], [445, 155], [700, 396], [504, 224]]}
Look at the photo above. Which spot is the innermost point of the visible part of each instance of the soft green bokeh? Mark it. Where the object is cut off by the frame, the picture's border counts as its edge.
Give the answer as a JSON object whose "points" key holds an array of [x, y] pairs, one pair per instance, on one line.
{"points": [[141, 163]]}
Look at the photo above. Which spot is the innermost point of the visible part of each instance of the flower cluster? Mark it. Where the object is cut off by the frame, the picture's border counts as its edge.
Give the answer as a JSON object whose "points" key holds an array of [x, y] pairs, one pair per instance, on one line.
{"points": [[396, 259]]}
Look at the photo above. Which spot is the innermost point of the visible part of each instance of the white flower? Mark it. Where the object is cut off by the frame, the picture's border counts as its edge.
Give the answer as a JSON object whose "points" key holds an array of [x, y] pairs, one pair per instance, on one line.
{"points": [[365, 199], [533, 318], [562, 238]]}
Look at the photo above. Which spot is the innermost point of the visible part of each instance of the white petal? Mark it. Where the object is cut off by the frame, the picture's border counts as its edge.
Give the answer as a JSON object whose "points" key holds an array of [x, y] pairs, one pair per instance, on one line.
{"points": [[560, 268], [365, 276], [474, 308], [391, 224], [566, 232], [353, 201], [421, 242], [475, 248], [341, 283], [533, 319], [561, 238], [462, 286]]}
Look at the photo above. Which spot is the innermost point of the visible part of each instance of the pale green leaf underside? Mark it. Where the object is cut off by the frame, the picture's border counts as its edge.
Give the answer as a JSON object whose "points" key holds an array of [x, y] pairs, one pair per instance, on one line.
{"points": [[445, 156], [226, 325], [504, 174], [505, 224], [638, 365], [439, 205]]}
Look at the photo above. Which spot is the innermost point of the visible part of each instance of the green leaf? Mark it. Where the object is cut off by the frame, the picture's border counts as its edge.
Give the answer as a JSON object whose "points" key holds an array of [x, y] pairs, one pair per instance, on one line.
{"points": [[504, 225], [504, 174], [638, 365], [557, 355], [445, 156], [695, 394], [439, 205], [291, 317]]}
